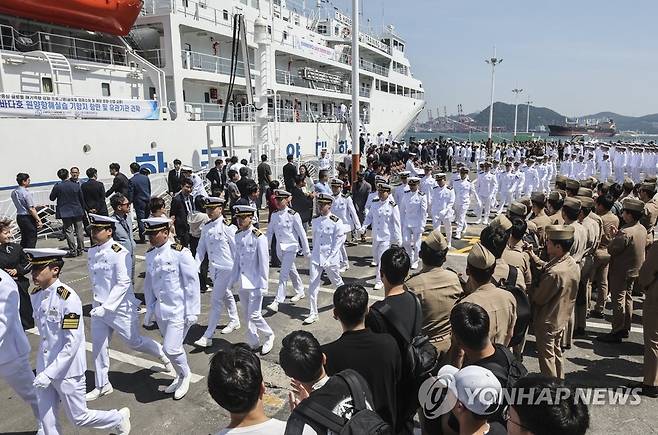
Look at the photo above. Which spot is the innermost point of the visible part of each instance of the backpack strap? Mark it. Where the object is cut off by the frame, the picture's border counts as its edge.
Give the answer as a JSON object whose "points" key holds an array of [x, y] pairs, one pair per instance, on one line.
{"points": [[512, 276], [357, 391], [389, 315], [313, 412]]}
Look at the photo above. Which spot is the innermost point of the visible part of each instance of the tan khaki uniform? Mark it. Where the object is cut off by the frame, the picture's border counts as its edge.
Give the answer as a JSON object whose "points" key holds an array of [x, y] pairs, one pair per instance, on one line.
{"points": [[602, 259], [650, 218], [553, 301], [648, 282], [501, 272], [438, 290], [500, 305], [592, 224], [514, 256], [541, 220], [556, 218], [577, 252], [627, 251]]}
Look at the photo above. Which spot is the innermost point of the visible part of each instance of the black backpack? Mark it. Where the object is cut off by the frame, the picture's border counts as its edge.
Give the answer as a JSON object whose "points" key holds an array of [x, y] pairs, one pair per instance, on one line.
{"points": [[363, 420], [419, 357], [523, 312]]}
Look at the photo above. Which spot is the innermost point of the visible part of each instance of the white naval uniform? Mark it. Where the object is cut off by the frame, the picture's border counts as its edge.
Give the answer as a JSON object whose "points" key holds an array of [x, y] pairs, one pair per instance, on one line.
{"points": [[385, 219], [250, 272], [542, 176], [324, 163], [399, 191], [328, 237], [343, 207], [507, 187], [531, 181], [287, 226], [366, 208], [15, 366], [171, 290], [487, 187], [62, 357], [443, 203], [413, 216], [463, 190], [112, 290], [520, 173], [218, 242]]}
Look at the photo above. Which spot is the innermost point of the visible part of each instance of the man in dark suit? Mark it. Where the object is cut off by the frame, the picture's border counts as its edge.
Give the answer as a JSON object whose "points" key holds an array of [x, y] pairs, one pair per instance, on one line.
{"points": [[139, 194], [174, 178], [244, 181], [181, 205], [70, 209], [289, 173], [120, 183], [93, 192], [216, 178]]}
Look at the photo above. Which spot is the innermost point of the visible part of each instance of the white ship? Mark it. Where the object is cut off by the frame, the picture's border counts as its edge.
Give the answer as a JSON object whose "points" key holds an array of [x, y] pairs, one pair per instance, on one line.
{"points": [[73, 96]]}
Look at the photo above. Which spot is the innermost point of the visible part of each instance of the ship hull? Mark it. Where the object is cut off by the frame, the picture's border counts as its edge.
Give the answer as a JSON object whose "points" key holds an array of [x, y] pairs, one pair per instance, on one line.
{"points": [[559, 130]]}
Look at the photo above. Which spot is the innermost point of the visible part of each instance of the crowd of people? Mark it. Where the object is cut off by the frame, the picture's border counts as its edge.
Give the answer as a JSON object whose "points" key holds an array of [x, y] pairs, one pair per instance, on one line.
{"points": [[562, 223]]}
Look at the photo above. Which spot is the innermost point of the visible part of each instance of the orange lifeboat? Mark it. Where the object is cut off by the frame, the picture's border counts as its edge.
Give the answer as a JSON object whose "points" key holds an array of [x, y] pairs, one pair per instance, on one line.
{"points": [[115, 17]]}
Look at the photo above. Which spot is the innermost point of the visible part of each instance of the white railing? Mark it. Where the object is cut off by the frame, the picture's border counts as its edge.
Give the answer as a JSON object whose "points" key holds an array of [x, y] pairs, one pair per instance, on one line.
{"points": [[364, 64], [293, 79], [207, 62], [215, 112], [72, 48], [154, 56], [297, 115]]}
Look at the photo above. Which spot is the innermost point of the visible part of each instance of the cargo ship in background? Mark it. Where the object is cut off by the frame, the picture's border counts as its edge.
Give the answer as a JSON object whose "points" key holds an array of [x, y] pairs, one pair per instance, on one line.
{"points": [[598, 129]]}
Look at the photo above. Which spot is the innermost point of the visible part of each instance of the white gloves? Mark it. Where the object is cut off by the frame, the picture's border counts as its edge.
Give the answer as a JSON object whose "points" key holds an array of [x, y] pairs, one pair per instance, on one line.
{"points": [[190, 320], [41, 381], [97, 312]]}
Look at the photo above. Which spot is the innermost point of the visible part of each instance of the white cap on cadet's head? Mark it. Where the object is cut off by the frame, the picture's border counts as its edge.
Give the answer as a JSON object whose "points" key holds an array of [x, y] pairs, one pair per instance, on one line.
{"points": [[413, 180], [336, 182], [97, 220], [476, 387], [213, 201], [281, 194], [325, 198], [420, 171], [186, 168], [43, 256], [244, 210], [155, 224], [405, 173]]}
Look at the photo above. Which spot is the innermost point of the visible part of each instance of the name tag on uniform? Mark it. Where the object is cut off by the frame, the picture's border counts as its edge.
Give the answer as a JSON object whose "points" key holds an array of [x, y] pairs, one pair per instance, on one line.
{"points": [[71, 321]]}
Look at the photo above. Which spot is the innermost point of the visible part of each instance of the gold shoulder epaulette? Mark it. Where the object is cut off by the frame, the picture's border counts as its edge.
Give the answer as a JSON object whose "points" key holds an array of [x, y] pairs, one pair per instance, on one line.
{"points": [[333, 218], [292, 212], [71, 321], [35, 290], [177, 247], [257, 232], [116, 247], [228, 221], [63, 292]]}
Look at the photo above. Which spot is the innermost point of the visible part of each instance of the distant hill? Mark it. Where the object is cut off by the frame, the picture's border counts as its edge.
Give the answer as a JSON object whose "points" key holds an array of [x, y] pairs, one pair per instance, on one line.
{"points": [[504, 117]]}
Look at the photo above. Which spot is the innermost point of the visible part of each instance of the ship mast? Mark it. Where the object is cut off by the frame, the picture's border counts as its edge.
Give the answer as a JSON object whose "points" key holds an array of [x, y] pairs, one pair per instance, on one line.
{"points": [[355, 90]]}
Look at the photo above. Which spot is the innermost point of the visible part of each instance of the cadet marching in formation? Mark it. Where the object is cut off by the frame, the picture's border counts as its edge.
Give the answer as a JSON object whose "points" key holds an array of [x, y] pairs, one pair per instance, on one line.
{"points": [[566, 231]]}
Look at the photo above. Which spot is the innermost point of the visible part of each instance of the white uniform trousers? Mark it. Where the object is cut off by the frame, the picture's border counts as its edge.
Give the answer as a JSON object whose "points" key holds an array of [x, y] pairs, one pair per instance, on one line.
{"points": [[125, 323], [344, 259], [411, 238], [288, 270], [506, 198], [378, 248], [460, 216], [484, 206], [18, 374], [314, 283], [221, 295], [71, 393], [445, 220], [251, 301], [173, 334]]}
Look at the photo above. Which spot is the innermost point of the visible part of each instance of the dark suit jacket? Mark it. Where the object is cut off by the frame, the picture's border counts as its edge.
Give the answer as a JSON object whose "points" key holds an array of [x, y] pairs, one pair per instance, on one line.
{"points": [[173, 181], [70, 203], [179, 211], [302, 204], [216, 179], [289, 174], [93, 192], [139, 189], [119, 185]]}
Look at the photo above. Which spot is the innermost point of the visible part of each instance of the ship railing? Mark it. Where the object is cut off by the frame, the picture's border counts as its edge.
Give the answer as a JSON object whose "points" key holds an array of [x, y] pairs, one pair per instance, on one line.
{"points": [[293, 79], [156, 7], [215, 112], [154, 56], [364, 64], [72, 48], [207, 62]]}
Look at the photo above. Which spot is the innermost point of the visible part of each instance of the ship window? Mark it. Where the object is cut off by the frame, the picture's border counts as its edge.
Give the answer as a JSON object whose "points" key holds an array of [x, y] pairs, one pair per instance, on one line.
{"points": [[269, 30], [384, 86], [105, 88], [322, 28], [152, 93], [186, 3], [47, 85], [225, 15], [206, 97], [285, 35]]}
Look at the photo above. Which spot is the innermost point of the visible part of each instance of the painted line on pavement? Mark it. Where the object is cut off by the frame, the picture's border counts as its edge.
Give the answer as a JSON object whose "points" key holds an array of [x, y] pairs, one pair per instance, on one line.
{"points": [[132, 360], [332, 291], [606, 326]]}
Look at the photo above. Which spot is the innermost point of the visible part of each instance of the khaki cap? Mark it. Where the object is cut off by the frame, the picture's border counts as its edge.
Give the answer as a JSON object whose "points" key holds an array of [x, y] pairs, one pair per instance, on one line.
{"points": [[572, 184], [633, 204], [501, 222], [436, 240], [554, 195], [584, 191], [651, 187], [538, 197], [518, 209], [559, 232], [560, 178], [572, 203], [480, 257], [586, 201]]}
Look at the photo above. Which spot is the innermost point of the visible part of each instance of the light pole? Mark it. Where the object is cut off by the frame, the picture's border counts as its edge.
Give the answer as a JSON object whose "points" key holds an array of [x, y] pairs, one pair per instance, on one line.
{"points": [[355, 90], [527, 119], [516, 91], [493, 62]]}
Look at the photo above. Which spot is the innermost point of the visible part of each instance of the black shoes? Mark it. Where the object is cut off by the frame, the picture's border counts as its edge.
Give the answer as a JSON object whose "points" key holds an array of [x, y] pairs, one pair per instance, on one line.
{"points": [[596, 314], [579, 333], [612, 337]]}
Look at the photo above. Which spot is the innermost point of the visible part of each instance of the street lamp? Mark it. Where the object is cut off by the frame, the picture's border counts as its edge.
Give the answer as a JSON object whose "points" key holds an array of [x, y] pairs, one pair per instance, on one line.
{"points": [[527, 119], [493, 62], [516, 91]]}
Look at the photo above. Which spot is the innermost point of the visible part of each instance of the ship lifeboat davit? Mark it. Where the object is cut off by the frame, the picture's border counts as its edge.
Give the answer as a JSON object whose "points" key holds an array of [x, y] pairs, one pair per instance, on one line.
{"points": [[115, 17]]}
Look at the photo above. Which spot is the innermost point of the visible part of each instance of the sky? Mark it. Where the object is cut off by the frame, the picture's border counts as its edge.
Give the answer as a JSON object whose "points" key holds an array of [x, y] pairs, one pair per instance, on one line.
{"points": [[577, 57]]}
